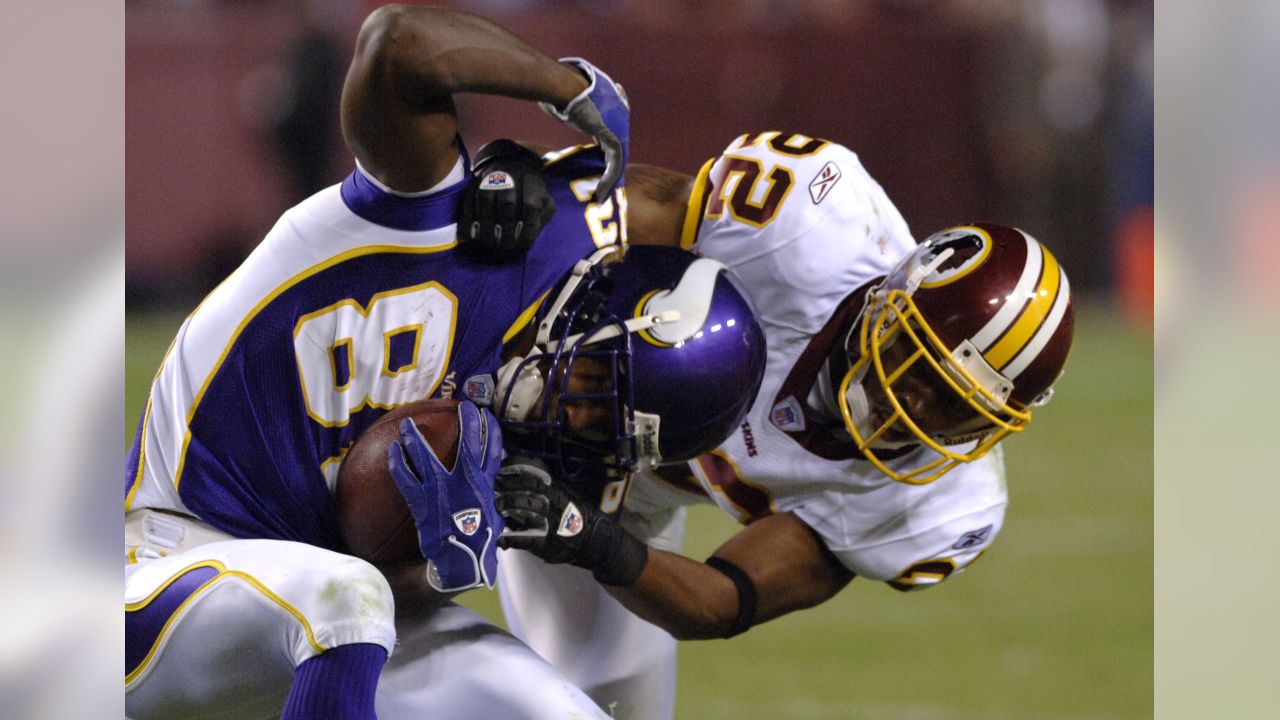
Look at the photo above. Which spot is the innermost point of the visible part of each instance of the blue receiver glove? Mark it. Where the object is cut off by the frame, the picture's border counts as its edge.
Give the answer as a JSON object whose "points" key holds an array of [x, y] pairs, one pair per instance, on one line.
{"points": [[458, 526], [601, 111]]}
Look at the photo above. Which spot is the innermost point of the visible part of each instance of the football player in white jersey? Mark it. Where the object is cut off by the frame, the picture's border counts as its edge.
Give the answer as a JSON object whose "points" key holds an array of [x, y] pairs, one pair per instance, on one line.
{"points": [[239, 601], [893, 371]]}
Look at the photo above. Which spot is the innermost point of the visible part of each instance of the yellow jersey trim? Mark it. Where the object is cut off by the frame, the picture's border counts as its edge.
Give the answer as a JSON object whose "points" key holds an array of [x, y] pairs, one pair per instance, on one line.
{"points": [[523, 321], [277, 292], [697, 205]]}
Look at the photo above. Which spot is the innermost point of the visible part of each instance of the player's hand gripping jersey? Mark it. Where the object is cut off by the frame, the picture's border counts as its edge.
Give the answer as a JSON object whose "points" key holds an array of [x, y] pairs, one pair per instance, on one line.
{"points": [[355, 303], [806, 229]]}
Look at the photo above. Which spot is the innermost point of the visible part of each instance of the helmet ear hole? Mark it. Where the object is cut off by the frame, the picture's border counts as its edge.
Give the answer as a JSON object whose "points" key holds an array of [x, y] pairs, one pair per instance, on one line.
{"points": [[1042, 399]]}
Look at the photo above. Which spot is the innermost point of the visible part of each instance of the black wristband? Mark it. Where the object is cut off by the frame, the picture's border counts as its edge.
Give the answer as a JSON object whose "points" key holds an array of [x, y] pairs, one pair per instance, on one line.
{"points": [[625, 561], [746, 594]]}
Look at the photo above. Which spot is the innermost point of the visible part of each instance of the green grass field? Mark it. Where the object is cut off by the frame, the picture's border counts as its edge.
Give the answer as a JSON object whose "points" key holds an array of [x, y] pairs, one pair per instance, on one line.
{"points": [[1054, 622]]}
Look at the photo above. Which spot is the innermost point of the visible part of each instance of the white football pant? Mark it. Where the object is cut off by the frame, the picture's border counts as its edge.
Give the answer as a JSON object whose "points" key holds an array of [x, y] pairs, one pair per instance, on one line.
{"points": [[227, 622], [627, 665]]}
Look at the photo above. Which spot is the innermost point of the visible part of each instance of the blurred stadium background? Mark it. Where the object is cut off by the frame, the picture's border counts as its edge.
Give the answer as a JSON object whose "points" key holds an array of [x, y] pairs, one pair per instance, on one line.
{"points": [[1036, 113]]}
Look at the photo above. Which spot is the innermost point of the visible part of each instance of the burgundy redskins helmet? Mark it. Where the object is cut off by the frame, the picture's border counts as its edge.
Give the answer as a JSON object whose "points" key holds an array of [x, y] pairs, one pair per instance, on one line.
{"points": [[977, 320]]}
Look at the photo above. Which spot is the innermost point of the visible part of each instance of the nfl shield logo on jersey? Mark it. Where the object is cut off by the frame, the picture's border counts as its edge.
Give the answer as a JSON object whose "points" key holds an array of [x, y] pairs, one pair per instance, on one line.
{"points": [[570, 522], [787, 415], [497, 180], [479, 389], [468, 521]]}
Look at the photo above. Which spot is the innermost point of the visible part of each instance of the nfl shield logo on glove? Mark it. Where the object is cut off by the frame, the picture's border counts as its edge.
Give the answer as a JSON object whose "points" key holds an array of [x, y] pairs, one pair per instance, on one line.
{"points": [[468, 521], [570, 522]]}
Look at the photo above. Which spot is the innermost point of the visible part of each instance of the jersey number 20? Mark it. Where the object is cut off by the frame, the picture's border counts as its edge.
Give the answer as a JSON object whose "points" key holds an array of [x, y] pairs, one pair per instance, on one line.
{"points": [[740, 178]]}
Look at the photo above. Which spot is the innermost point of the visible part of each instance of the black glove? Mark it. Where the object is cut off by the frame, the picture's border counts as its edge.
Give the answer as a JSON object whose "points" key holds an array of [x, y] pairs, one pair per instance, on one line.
{"points": [[505, 205], [547, 519]]}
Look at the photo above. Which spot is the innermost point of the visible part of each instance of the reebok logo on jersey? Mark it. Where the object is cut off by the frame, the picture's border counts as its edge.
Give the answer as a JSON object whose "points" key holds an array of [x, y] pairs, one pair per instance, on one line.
{"points": [[570, 522], [787, 415], [973, 538], [468, 521], [826, 179]]}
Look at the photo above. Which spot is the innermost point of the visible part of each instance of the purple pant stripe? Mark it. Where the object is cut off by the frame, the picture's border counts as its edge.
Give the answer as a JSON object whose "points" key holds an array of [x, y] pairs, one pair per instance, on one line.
{"points": [[142, 626]]}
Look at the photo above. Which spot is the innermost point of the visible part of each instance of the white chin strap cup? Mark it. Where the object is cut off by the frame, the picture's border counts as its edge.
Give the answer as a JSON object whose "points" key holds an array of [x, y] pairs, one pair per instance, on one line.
{"points": [[860, 411], [859, 406], [525, 392]]}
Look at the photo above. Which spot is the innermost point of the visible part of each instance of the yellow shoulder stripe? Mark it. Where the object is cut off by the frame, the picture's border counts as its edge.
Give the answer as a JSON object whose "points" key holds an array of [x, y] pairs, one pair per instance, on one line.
{"points": [[697, 205], [524, 319]]}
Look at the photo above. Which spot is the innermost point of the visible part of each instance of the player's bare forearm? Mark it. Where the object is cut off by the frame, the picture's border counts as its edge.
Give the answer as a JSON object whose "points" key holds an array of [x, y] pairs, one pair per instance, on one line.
{"points": [[397, 109], [788, 565], [440, 51], [657, 200], [686, 598]]}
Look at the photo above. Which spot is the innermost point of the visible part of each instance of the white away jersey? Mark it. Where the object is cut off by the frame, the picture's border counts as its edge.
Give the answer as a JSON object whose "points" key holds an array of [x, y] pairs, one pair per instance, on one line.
{"points": [[806, 229]]}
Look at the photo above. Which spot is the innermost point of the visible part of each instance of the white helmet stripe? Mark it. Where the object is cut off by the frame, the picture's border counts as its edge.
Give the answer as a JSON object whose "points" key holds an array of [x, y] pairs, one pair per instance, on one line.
{"points": [[1042, 336], [1039, 304], [1014, 302]]}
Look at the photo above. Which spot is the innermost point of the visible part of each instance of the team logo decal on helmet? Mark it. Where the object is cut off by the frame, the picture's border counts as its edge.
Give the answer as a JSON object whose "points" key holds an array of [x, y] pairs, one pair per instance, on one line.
{"points": [[955, 347], [954, 240]]}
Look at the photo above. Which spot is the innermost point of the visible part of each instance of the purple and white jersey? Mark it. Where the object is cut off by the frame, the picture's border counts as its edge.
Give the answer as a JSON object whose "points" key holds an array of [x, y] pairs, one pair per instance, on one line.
{"points": [[355, 303]]}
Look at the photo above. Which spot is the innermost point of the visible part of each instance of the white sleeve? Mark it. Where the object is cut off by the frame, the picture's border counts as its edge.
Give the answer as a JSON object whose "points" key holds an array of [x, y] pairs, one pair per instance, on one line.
{"points": [[912, 536]]}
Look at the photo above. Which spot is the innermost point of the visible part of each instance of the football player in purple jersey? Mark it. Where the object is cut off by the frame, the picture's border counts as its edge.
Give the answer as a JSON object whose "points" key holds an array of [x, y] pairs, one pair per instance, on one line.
{"points": [[374, 293]]}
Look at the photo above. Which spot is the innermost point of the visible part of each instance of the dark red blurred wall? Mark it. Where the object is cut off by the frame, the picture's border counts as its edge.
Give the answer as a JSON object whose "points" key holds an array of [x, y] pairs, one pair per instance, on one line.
{"points": [[898, 87]]}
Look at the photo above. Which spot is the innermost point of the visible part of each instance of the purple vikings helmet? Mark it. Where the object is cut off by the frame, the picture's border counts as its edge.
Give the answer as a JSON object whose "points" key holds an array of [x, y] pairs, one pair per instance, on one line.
{"points": [[662, 344]]}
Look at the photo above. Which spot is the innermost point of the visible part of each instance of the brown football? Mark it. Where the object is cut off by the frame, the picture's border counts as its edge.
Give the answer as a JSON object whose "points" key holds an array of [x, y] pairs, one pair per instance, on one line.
{"points": [[372, 515]]}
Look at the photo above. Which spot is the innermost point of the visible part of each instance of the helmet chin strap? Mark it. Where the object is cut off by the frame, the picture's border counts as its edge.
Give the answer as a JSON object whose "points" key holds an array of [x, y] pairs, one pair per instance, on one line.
{"points": [[607, 332], [530, 382], [860, 411], [921, 272], [609, 253]]}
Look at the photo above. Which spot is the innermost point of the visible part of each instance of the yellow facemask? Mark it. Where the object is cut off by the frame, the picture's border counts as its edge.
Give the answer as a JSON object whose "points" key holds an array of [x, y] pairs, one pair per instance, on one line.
{"points": [[897, 343]]}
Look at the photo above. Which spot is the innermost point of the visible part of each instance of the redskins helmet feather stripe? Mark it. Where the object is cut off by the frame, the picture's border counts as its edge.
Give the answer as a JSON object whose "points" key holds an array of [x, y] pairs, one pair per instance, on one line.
{"points": [[1029, 316]]}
